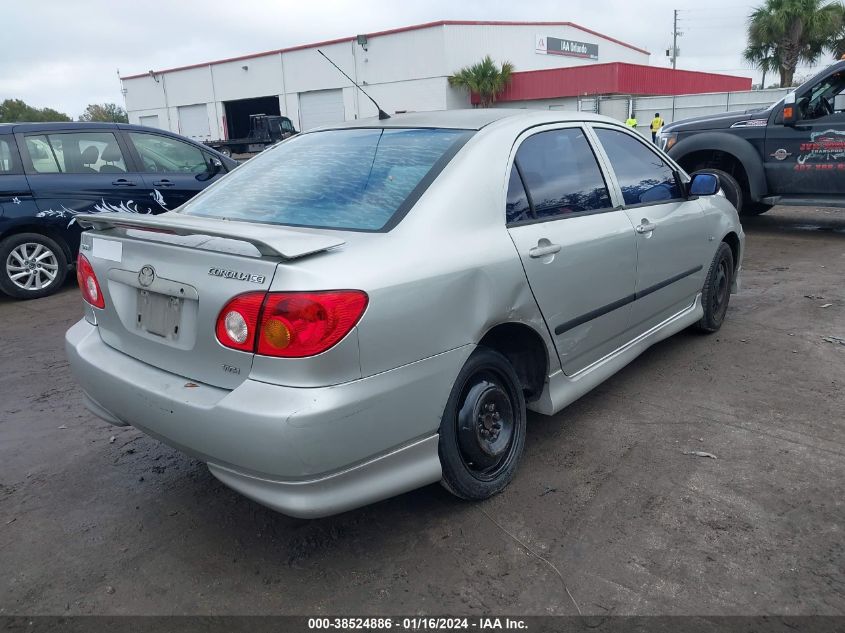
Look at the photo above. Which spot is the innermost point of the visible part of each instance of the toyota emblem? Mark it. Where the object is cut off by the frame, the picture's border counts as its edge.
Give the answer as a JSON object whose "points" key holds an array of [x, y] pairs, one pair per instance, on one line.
{"points": [[146, 276]]}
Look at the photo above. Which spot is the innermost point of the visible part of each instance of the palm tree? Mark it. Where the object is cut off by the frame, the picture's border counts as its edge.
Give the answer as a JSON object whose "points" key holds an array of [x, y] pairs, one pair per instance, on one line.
{"points": [[789, 32], [485, 79], [763, 57]]}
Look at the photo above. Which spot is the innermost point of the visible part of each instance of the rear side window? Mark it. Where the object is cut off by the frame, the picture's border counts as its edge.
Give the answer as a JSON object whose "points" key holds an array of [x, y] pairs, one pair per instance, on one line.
{"points": [[345, 179], [561, 174], [518, 208], [163, 154], [75, 153], [643, 176], [8, 156]]}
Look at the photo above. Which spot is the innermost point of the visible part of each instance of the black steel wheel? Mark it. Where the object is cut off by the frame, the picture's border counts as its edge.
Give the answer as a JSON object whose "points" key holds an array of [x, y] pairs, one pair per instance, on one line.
{"points": [[717, 289], [482, 433]]}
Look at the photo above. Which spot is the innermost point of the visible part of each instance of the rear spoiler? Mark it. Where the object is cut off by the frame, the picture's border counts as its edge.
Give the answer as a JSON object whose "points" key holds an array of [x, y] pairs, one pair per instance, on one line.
{"points": [[270, 240]]}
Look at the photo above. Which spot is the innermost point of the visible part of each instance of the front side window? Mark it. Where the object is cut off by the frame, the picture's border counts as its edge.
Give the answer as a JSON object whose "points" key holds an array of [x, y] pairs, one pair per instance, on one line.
{"points": [[165, 154], [75, 153], [287, 126], [561, 174], [643, 176], [345, 179], [821, 100]]}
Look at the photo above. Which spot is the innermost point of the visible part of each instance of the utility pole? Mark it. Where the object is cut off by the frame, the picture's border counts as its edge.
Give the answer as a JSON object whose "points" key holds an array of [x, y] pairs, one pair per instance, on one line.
{"points": [[675, 39]]}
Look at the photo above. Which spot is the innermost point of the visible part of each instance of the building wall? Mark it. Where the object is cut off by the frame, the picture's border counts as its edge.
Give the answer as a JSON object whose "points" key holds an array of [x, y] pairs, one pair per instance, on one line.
{"points": [[404, 71]]}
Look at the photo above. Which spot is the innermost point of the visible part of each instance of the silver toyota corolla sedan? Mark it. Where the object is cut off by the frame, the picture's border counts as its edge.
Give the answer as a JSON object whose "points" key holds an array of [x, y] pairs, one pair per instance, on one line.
{"points": [[367, 309]]}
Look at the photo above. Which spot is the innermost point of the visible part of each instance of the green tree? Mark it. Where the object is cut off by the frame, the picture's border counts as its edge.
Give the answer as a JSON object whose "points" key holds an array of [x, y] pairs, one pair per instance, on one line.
{"points": [[486, 79], [763, 57], [786, 33], [17, 111], [105, 112]]}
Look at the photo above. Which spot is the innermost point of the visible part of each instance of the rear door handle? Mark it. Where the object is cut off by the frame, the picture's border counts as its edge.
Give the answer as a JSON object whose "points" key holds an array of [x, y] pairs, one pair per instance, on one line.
{"points": [[542, 251], [164, 182], [122, 182], [645, 226]]}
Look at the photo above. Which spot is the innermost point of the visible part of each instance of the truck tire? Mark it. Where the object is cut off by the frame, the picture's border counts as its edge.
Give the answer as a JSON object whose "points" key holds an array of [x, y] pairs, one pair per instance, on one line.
{"points": [[226, 151], [729, 185]]}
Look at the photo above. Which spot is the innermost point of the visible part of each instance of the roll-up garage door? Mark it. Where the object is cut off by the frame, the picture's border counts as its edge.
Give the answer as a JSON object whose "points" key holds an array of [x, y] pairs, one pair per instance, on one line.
{"points": [[193, 122], [150, 120], [320, 107]]}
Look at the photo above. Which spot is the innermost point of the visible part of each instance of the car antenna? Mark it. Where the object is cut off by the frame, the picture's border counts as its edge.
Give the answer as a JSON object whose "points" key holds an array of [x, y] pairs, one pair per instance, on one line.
{"points": [[382, 115]]}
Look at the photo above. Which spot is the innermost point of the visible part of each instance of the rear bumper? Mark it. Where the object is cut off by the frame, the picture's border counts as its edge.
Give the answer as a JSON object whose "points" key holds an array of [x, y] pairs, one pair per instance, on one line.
{"points": [[303, 451]]}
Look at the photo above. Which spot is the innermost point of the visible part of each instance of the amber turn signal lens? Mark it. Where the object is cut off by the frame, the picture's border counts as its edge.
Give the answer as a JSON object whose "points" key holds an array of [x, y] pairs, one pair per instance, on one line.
{"points": [[276, 333]]}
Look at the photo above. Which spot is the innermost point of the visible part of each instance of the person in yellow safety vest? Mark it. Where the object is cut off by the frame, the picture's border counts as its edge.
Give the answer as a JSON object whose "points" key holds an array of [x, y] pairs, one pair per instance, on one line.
{"points": [[656, 124], [631, 122]]}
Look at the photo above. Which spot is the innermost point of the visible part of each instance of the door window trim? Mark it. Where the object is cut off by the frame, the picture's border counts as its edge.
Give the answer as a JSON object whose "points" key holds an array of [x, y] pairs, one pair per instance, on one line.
{"points": [[677, 171], [551, 127]]}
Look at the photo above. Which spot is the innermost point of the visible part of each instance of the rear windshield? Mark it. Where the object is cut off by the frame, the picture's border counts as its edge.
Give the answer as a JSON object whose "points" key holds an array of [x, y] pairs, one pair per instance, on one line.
{"points": [[355, 179]]}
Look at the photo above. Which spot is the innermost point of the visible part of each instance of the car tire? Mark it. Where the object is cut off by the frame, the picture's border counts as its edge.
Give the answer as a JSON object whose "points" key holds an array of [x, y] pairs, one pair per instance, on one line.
{"points": [[19, 270], [730, 186], [755, 208], [482, 432], [716, 293]]}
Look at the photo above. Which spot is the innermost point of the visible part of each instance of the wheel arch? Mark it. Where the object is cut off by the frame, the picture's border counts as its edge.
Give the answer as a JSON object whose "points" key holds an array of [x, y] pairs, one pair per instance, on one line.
{"points": [[732, 240], [717, 147], [526, 351], [53, 234]]}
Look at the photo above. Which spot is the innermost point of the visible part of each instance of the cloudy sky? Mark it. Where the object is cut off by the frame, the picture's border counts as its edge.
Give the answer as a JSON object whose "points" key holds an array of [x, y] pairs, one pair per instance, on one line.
{"points": [[66, 54]]}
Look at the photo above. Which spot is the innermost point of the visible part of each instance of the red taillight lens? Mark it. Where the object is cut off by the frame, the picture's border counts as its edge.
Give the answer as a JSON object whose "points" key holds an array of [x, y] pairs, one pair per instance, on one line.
{"points": [[298, 324], [88, 283], [289, 324], [237, 322]]}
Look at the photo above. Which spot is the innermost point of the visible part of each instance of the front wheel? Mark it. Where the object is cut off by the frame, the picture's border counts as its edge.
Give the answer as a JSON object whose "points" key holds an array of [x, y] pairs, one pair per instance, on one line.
{"points": [[482, 433], [226, 151], [717, 290], [31, 266]]}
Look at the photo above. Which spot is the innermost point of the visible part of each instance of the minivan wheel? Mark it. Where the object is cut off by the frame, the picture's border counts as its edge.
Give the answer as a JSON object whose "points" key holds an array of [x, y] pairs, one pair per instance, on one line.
{"points": [[31, 266], [717, 290], [482, 433]]}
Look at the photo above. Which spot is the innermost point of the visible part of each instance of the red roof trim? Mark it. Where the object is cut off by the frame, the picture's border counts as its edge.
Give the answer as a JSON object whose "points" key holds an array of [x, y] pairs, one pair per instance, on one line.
{"points": [[401, 29], [615, 78]]}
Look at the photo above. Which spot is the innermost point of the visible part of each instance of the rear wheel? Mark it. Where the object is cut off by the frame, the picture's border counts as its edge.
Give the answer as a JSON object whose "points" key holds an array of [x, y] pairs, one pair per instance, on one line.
{"points": [[482, 433], [717, 290], [31, 266], [226, 151]]}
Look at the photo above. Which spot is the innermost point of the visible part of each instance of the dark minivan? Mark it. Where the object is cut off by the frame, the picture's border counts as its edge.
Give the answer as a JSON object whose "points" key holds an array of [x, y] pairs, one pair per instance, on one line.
{"points": [[50, 172]]}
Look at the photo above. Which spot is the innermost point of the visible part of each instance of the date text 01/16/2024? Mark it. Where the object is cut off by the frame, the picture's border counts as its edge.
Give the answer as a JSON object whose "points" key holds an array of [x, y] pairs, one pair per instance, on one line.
{"points": [[418, 623]]}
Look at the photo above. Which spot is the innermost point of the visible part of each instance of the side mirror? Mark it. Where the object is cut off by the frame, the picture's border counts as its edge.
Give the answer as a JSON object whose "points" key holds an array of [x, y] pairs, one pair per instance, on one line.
{"points": [[790, 110], [704, 185], [213, 167]]}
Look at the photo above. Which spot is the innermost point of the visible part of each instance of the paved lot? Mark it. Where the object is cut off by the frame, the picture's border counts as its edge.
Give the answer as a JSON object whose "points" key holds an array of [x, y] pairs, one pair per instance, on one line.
{"points": [[605, 494]]}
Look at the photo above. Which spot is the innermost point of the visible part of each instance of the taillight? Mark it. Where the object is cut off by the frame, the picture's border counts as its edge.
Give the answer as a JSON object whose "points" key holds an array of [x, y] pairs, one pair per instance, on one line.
{"points": [[237, 322], [289, 324], [88, 283], [297, 324]]}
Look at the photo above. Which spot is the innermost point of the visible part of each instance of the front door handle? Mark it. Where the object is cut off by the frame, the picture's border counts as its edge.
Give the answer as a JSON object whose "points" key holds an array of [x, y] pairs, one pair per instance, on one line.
{"points": [[542, 251], [645, 226], [122, 182], [164, 182]]}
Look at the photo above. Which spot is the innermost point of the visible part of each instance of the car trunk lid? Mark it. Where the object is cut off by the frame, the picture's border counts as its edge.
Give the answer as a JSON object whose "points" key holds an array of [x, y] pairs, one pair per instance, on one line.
{"points": [[166, 281]]}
